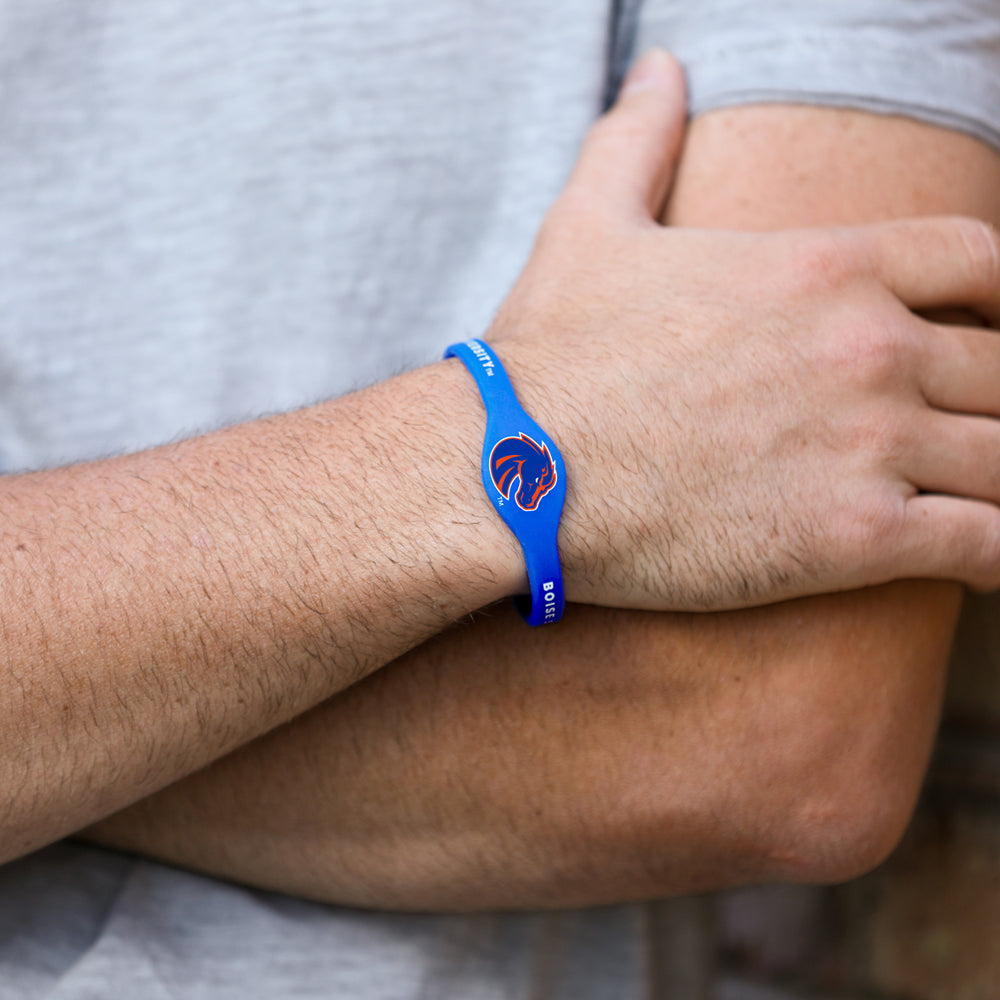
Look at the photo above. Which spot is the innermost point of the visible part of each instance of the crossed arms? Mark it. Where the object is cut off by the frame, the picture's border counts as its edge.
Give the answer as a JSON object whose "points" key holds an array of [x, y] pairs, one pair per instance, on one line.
{"points": [[661, 751]]}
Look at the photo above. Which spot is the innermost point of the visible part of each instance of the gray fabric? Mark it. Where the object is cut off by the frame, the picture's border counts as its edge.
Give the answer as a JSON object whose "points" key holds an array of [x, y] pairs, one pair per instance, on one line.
{"points": [[212, 210], [934, 60], [165, 934]]}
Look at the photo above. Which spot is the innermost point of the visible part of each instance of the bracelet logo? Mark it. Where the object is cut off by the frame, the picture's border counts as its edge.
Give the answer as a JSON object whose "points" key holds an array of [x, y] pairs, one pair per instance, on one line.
{"points": [[521, 458]]}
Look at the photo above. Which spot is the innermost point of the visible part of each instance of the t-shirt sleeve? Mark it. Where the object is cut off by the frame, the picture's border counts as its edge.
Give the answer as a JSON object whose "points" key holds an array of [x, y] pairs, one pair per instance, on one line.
{"points": [[936, 61]]}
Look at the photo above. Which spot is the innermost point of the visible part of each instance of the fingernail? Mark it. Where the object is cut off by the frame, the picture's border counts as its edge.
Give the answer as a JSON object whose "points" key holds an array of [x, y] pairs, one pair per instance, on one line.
{"points": [[652, 69]]}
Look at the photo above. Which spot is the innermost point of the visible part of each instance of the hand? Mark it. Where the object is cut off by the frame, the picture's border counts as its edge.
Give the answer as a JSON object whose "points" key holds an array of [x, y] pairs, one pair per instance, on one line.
{"points": [[770, 421]]}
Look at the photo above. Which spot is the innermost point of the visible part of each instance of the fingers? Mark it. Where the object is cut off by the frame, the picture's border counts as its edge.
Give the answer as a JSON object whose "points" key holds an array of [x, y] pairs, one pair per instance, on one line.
{"points": [[939, 262], [951, 538], [960, 370], [952, 528], [628, 157], [957, 455]]}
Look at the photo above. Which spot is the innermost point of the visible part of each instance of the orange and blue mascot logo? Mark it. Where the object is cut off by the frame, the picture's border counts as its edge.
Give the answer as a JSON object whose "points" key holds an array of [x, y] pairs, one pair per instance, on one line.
{"points": [[521, 458]]}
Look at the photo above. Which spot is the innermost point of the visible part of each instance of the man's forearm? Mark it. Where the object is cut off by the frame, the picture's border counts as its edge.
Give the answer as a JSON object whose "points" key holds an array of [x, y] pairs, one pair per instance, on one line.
{"points": [[162, 609], [622, 754], [625, 755]]}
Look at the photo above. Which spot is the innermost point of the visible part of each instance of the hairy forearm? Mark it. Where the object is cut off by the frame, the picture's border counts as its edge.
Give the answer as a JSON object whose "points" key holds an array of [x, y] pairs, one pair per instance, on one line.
{"points": [[621, 754], [161, 609]]}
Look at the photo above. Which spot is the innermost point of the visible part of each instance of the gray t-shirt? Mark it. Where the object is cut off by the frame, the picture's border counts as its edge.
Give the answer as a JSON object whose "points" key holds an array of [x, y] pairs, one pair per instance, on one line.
{"points": [[213, 210]]}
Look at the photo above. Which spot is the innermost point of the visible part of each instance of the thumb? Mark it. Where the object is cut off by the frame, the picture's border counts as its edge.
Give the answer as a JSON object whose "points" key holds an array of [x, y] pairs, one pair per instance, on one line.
{"points": [[628, 157]]}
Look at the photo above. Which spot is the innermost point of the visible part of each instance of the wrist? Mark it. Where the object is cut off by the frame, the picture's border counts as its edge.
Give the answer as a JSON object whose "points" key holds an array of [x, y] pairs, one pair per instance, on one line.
{"points": [[486, 561], [523, 474], [534, 372]]}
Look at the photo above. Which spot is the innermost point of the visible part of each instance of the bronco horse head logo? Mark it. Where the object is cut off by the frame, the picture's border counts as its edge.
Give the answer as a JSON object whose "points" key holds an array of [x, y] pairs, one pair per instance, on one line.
{"points": [[522, 458]]}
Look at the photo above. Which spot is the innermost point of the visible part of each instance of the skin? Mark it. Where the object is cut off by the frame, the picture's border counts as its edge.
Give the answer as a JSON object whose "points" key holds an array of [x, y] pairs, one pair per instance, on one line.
{"points": [[120, 677], [625, 754]]}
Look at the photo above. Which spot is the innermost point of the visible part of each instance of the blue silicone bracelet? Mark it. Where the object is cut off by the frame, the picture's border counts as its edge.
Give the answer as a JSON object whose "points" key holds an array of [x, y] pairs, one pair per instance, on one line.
{"points": [[517, 452]]}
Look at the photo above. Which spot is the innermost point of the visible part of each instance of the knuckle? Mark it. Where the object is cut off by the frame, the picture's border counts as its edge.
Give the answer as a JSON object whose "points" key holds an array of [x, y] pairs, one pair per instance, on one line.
{"points": [[870, 353], [886, 437], [982, 455], [982, 246], [980, 557], [823, 260], [873, 529], [990, 555], [970, 546]]}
